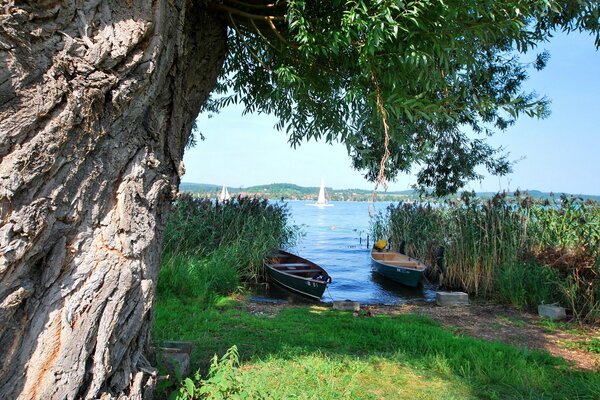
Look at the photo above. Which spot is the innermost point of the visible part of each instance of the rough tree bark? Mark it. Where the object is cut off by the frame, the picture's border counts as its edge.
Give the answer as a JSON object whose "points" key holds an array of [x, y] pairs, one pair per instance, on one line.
{"points": [[97, 100]]}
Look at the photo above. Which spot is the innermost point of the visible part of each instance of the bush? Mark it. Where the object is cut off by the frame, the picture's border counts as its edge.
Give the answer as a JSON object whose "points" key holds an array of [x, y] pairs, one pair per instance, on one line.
{"points": [[222, 382]]}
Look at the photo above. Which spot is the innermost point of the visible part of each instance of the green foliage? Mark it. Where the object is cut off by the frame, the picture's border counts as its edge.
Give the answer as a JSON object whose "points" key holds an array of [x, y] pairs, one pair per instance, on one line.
{"points": [[436, 66], [521, 250], [223, 382], [594, 345], [201, 278]]}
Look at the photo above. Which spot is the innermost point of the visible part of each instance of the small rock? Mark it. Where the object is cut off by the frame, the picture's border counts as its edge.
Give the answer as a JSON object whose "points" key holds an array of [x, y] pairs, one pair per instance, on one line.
{"points": [[552, 312]]}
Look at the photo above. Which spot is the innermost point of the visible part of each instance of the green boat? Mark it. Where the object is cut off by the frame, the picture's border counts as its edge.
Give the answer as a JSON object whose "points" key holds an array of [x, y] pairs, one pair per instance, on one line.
{"points": [[297, 274], [397, 267]]}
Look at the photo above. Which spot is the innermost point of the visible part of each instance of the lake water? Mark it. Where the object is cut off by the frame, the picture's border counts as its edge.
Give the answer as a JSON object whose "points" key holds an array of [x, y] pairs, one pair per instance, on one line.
{"points": [[336, 239]]}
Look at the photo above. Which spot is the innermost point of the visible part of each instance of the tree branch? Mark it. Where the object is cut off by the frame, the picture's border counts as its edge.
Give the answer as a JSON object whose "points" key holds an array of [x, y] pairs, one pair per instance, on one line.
{"points": [[254, 55], [386, 154], [257, 17], [255, 5]]}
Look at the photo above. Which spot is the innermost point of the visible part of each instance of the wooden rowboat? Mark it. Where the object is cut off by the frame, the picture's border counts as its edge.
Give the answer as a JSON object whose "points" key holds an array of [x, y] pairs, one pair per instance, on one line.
{"points": [[297, 274], [397, 267]]}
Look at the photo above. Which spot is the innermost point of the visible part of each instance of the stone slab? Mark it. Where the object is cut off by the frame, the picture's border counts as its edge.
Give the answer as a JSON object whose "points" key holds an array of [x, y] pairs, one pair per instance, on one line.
{"points": [[177, 347], [552, 312], [177, 364], [174, 357], [346, 305], [445, 299]]}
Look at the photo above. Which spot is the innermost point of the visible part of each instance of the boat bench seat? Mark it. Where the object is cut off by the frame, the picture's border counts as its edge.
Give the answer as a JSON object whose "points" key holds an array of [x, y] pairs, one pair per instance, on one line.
{"points": [[291, 265], [402, 263], [386, 256], [297, 271]]}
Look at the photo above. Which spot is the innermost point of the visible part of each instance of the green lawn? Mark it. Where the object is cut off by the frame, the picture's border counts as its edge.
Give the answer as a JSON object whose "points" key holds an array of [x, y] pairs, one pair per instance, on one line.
{"points": [[319, 353]]}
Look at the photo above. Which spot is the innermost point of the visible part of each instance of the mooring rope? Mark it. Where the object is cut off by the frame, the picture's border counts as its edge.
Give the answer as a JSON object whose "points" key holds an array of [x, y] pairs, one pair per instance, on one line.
{"points": [[329, 293]]}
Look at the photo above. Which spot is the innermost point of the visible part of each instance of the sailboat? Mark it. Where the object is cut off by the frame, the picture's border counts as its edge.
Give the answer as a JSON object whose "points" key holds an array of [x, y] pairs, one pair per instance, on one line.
{"points": [[321, 200], [224, 195]]}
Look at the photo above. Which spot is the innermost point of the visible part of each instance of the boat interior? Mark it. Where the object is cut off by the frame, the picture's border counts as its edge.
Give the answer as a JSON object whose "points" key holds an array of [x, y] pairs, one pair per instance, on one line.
{"points": [[285, 263], [397, 259]]}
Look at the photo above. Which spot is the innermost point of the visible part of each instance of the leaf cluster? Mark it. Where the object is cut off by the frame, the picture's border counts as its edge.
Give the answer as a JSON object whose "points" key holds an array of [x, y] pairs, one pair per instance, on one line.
{"points": [[441, 68]]}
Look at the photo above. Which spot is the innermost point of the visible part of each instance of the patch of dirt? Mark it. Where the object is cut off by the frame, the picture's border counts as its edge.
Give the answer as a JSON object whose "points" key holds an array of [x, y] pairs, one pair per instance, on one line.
{"points": [[489, 322], [269, 310], [511, 326]]}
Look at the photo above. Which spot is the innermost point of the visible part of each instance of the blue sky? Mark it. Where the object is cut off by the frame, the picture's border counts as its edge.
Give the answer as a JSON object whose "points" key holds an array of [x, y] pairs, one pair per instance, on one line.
{"points": [[559, 154]]}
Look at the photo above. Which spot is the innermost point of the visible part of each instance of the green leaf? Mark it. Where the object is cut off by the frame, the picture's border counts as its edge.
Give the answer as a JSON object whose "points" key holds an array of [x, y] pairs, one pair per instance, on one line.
{"points": [[190, 387]]}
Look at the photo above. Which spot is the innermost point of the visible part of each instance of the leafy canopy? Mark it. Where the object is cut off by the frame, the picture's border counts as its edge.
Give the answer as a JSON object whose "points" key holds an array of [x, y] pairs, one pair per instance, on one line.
{"points": [[399, 82]]}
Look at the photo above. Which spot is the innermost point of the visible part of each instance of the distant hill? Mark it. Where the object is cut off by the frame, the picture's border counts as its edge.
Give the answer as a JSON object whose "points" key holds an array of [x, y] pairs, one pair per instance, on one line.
{"points": [[198, 187], [290, 191]]}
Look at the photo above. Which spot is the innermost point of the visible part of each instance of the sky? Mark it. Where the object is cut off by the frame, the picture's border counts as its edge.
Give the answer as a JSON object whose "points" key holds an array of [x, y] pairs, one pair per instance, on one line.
{"points": [[559, 154]]}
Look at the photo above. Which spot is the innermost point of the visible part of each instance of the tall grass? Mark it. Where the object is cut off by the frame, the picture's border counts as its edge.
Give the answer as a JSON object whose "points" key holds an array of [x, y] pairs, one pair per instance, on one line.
{"points": [[520, 250], [210, 248]]}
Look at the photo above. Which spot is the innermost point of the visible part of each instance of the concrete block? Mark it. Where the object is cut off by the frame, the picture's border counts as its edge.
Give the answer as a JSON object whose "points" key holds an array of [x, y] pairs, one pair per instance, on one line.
{"points": [[177, 364], [177, 347], [346, 305], [451, 298], [175, 357], [551, 311]]}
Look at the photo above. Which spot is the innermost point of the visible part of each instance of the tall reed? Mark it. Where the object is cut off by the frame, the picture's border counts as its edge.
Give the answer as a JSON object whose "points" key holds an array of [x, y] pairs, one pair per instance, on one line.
{"points": [[210, 247], [495, 243]]}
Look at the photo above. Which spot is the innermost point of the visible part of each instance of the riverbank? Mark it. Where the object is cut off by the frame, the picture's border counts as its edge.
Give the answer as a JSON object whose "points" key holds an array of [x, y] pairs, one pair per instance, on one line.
{"points": [[401, 351]]}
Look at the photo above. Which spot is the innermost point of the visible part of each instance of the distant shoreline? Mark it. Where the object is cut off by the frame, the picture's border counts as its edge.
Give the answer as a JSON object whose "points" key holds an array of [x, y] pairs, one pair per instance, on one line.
{"points": [[288, 191]]}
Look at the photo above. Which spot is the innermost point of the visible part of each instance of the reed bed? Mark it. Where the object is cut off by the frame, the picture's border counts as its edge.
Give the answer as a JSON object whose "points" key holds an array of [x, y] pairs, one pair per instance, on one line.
{"points": [[518, 249], [210, 248]]}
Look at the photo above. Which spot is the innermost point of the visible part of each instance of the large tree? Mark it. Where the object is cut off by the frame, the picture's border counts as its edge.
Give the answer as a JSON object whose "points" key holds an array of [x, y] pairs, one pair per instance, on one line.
{"points": [[98, 99]]}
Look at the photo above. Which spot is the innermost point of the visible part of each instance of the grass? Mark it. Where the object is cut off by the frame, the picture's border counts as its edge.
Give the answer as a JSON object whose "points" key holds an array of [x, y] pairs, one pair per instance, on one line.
{"points": [[511, 321], [591, 345], [525, 285], [320, 353], [553, 326]]}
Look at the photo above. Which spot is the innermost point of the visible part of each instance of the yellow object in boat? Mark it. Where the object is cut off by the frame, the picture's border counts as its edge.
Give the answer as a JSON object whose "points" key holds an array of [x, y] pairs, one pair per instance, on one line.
{"points": [[380, 244]]}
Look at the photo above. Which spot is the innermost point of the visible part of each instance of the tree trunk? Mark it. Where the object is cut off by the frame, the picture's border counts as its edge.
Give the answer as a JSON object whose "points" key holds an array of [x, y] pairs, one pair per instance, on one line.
{"points": [[97, 100]]}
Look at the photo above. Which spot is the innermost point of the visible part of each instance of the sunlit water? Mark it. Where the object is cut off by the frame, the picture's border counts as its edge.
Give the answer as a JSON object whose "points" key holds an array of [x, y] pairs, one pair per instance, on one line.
{"points": [[336, 239]]}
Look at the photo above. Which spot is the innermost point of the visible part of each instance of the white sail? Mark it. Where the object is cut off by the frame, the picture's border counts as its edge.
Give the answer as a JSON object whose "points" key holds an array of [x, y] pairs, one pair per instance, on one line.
{"points": [[224, 194], [321, 200]]}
